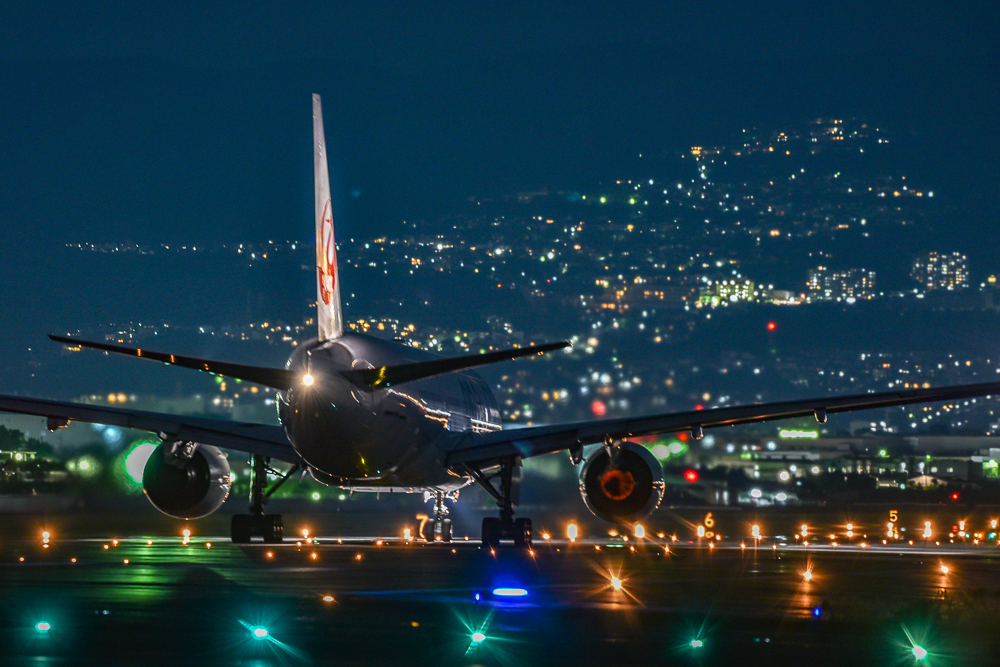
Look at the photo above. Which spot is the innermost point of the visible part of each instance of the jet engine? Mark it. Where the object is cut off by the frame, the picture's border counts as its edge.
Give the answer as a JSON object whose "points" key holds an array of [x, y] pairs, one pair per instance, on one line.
{"points": [[186, 480], [622, 491]]}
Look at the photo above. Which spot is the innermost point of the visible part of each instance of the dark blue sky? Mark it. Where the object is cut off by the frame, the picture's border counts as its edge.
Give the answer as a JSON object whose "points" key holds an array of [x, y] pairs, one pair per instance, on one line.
{"points": [[180, 122]]}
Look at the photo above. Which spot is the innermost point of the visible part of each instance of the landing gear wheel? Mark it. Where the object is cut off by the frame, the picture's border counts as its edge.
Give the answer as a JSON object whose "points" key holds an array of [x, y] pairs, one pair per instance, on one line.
{"points": [[522, 533], [273, 528], [442, 530], [241, 529], [491, 532]]}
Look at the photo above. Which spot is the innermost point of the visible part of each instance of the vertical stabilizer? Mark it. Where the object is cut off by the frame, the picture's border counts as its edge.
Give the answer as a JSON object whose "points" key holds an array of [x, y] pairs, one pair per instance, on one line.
{"points": [[328, 312]]}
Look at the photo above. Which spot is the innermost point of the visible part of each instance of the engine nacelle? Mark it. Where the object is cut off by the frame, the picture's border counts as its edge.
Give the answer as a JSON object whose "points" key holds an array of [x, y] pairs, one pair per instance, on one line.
{"points": [[187, 488], [624, 493]]}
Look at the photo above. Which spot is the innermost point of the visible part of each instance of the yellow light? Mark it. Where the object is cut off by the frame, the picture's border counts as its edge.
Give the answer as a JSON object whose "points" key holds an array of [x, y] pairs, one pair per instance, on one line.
{"points": [[639, 532], [572, 532], [807, 575], [357, 557], [944, 569], [407, 535], [616, 583], [186, 533], [45, 535], [125, 561], [755, 530], [805, 530], [308, 379], [327, 598], [701, 531], [208, 545]]}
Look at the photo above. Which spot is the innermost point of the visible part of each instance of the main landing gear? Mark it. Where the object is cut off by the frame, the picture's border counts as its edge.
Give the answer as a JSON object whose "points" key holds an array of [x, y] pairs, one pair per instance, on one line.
{"points": [[504, 526], [256, 523]]}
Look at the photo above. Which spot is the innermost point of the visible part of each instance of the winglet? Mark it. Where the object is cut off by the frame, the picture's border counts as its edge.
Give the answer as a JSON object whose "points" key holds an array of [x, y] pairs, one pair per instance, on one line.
{"points": [[328, 311]]}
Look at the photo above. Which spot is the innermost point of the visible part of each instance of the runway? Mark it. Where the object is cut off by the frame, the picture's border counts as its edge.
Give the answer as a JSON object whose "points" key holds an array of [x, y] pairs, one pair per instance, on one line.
{"points": [[159, 599]]}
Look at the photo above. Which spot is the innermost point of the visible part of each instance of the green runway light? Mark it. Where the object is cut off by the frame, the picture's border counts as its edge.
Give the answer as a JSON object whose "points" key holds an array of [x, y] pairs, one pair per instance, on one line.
{"points": [[259, 633], [478, 637], [696, 643], [919, 652], [43, 627]]}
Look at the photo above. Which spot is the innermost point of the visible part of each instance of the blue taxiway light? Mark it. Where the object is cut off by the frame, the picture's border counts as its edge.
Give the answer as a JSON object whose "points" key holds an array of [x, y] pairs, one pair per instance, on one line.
{"points": [[43, 627], [817, 612], [259, 633], [510, 592]]}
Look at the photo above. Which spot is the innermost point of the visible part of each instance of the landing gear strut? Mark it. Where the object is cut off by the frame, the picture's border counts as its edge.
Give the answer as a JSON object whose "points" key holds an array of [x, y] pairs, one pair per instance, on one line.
{"points": [[256, 523], [504, 526], [440, 527]]}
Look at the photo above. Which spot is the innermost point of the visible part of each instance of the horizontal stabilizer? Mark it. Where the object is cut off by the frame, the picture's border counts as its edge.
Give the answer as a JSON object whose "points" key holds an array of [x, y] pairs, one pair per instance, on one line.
{"points": [[387, 376], [276, 378]]}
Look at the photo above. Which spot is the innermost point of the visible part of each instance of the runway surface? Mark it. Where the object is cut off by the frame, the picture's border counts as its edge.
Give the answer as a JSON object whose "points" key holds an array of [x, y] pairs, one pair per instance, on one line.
{"points": [[154, 599]]}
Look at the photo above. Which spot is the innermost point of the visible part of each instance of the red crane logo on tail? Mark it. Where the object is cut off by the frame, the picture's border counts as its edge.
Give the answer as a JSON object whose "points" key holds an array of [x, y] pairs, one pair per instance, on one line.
{"points": [[327, 264]]}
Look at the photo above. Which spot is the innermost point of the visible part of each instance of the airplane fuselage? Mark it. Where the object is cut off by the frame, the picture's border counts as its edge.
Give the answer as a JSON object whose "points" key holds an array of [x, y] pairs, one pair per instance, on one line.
{"points": [[380, 439]]}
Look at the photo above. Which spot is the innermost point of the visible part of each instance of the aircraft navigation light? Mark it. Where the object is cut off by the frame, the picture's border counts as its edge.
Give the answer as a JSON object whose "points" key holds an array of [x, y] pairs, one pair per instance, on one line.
{"points": [[919, 652], [478, 637], [308, 379], [696, 643], [259, 632], [43, 626], [510, 592]]}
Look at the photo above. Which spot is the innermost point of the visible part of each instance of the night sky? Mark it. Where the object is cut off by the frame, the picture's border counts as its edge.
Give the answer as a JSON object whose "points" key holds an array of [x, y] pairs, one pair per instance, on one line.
{"points": [[190, 123], [167, 122]]}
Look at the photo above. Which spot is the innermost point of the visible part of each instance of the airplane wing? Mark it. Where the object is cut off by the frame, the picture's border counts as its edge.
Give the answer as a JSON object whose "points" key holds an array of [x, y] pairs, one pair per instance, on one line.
{"points": [[488, 448], [260, 439]]}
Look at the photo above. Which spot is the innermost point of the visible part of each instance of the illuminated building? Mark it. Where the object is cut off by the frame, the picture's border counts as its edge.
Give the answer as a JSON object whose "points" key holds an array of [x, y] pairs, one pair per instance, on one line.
{"points": [[941, 271], [825, 284]]}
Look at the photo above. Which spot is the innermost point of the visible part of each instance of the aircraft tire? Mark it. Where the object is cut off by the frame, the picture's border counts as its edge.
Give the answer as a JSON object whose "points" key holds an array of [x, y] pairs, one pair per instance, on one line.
{"points": [[522, 533], [274, 529], [240, 529], [491, 532]]}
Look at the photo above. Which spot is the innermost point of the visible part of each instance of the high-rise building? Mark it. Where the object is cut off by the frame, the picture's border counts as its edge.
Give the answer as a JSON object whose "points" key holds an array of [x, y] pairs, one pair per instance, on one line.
{"points": [[826, 284], [941, 271]]}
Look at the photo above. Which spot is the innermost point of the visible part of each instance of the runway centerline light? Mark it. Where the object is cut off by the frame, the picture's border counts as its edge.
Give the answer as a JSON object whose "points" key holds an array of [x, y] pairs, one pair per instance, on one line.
{"points": [[510, 592], [259, 633]]}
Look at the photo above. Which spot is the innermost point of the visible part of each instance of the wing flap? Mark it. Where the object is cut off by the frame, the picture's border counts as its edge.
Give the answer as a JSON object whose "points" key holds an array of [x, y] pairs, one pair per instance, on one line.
{"points": [[533, 441], [260, 439]]}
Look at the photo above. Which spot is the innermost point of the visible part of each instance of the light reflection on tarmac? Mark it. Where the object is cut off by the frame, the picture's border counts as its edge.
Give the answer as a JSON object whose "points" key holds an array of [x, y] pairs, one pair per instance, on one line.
{"points": [[415, 603]]}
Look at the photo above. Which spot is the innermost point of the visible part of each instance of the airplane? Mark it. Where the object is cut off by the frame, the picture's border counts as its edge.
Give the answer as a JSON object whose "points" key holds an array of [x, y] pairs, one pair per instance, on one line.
{"points": [[366, 414]]}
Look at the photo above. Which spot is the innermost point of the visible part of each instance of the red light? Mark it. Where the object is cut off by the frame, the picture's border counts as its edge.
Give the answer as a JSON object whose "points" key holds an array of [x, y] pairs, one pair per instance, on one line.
{"points": [[598, 408], [771, 326], [699, 407], [954, 496], [683, 436], [691, 475]]}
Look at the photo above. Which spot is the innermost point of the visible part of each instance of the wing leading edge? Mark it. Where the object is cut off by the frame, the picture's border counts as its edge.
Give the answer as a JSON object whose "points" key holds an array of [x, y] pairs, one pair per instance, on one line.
{"points": [[259, 439], [487, 448]]}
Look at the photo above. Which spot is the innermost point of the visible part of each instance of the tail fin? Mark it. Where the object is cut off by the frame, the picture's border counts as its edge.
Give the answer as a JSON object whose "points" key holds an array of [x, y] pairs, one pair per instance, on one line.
{"points": [[328, 312]]}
